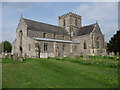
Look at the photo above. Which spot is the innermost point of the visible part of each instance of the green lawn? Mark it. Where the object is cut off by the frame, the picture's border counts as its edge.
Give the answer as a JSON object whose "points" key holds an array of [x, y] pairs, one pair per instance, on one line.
{"points": [[59, 73]]}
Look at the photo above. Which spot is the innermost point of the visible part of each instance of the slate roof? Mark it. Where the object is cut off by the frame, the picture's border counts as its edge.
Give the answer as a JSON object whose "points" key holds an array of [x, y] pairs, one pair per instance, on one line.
{"points": [[34, 25], [85, 30]]}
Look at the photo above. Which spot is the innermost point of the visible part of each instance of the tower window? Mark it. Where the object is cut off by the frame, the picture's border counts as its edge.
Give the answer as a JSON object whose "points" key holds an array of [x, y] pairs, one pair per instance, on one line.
{"points": [[45, 47], [20, 48], [85, 45], [64, 22], [76, 22], [21, 33], [44, 35]]}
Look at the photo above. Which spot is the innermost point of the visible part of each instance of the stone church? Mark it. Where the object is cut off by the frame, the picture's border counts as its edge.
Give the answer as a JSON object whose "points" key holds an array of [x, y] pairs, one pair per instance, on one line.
{"points": [[40, 40]]}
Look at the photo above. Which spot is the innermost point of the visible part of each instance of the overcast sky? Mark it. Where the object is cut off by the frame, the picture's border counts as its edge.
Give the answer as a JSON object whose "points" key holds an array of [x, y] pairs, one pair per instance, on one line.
{"points": [[106, 13]]}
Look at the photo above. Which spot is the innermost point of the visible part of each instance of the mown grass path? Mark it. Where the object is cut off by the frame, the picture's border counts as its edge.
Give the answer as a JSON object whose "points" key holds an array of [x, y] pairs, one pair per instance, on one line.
{"points": [[50, 73]]}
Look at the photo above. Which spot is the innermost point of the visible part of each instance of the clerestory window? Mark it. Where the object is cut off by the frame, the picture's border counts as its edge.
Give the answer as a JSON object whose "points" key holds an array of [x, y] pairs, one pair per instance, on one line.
{"points": [[44, 35]]}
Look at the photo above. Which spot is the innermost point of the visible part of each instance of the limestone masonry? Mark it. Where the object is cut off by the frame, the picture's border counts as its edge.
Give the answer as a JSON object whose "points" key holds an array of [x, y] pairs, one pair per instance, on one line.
{"points": [[40, 40]]}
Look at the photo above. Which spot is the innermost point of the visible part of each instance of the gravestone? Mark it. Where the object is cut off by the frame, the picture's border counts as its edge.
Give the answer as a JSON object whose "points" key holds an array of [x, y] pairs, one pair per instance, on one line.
{"points": [[85, 57], [3, 55], [10, 57], [71, 56], [117, 54], [112, 53]]}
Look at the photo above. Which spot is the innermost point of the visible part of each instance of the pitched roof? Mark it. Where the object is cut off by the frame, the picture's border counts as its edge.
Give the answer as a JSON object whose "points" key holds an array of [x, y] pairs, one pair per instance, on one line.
{"points": [[85, 30], [34, 25]]}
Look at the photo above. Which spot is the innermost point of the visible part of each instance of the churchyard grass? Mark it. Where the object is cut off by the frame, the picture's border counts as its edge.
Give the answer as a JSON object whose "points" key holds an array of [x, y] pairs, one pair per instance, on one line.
{"points": [[60, 73]]}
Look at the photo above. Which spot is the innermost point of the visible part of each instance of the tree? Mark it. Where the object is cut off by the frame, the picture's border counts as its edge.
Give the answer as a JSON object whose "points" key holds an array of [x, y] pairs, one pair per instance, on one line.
{"points": [[0, 47], [114, 43], [5, 46]]}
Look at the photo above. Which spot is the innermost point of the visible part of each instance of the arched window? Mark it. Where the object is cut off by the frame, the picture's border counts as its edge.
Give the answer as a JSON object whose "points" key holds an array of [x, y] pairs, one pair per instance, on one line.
{"points": [[20, 48], [76, 22], [44, 35], [20, 33], [64, 22], [97, 38], [97, 43], [85, 45], [45, 47]]}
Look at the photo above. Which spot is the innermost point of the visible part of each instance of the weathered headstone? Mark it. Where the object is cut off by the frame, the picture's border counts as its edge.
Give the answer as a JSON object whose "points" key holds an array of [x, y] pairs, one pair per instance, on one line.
{"points": [[3, 55], [71, 56], [85, 57], [112, 53], [117, 53], [10, 57]]}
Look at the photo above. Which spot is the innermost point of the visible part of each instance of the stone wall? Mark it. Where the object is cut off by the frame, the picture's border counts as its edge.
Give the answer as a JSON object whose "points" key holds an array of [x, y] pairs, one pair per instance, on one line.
{"points": [[80, 47], [54, 49], [39, 34], [94, 42]]}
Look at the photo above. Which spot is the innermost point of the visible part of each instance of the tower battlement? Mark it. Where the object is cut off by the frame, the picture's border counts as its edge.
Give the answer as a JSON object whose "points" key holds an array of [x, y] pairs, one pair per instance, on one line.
{"points": [[71, 22], [70, 14]]}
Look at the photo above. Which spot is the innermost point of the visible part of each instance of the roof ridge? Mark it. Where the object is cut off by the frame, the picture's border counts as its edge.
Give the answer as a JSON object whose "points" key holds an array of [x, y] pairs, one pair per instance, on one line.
{"points": [[85, 30], [35, 25], [42, 23], [89, 25]]}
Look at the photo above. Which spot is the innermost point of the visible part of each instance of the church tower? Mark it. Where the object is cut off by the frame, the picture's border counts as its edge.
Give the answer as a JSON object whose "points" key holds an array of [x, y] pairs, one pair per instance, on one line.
{"points": [[71, 22]]}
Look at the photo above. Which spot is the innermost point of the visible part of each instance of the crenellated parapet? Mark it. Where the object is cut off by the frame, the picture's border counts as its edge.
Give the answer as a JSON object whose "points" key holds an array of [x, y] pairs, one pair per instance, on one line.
{"points": [[70, 14]]}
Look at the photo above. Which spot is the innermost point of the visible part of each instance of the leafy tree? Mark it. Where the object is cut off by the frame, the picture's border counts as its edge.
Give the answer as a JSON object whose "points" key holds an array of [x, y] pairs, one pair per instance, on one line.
{"points": [[5, 46], [114, 43], [0, 47]]}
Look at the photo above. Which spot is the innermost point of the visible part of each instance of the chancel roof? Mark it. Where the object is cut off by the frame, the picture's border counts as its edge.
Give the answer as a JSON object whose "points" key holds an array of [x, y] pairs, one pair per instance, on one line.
{"points": [[34, 25], [85, 30]]}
